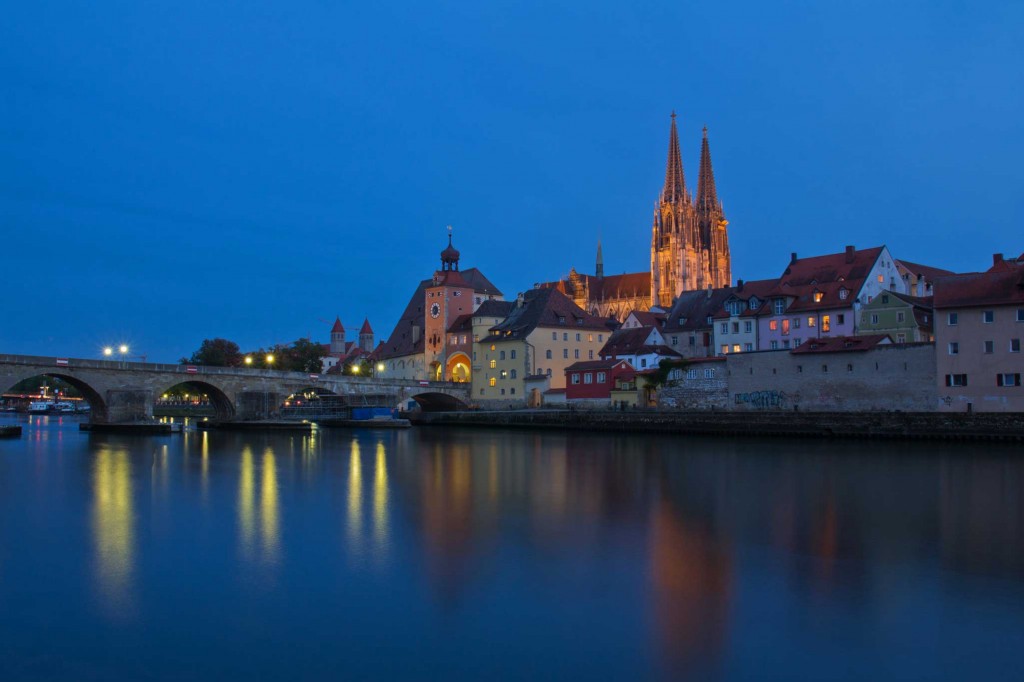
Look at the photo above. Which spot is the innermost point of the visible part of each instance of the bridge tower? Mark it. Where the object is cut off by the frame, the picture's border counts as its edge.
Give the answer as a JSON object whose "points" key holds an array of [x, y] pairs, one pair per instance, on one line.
{"points": [[448, 296]]}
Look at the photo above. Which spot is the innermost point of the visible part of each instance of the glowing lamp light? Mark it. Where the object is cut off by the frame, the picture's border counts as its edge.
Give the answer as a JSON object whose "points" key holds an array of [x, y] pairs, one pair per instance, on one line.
{"points": [[380, 366], [122, 349], [248, 360], [270, 359], [108, 351]]}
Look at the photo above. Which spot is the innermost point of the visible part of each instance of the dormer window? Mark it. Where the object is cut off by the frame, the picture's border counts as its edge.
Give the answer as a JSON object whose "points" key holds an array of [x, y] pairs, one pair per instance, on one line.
{"points": [[754, 303], [818, 296], [561, 319], [710, 320], [780, 306], [844, 293]]}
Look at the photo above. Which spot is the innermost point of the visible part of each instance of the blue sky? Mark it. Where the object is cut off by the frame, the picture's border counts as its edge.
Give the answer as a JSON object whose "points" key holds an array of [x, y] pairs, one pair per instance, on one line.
{"points": [[176, 171]]}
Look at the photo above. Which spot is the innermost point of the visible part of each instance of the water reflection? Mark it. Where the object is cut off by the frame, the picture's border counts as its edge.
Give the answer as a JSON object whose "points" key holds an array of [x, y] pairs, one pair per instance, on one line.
{"points": [[113, 528], [380, 501], [355, 498], [259, 533]]}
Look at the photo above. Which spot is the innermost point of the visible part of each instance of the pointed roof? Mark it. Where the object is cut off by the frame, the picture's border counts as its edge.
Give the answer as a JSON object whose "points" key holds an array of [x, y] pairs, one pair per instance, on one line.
{"points": [[675, 181], [337, 328], [600, 257], [366, 329], [707, 195]]}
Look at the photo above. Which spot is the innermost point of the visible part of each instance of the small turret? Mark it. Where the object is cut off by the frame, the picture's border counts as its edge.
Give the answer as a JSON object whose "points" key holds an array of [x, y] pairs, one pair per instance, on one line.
{"points": [[599, 268], [337, 337], [450, 256], [366, 336]]}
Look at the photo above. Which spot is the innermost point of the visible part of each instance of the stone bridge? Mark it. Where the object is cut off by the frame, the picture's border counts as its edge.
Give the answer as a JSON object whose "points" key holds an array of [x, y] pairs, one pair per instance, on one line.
{"points": [[122, 392]]}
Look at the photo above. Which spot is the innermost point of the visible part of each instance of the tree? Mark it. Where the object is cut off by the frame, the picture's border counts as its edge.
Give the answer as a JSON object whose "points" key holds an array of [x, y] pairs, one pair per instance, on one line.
{"points": [[306, 356], [216, 353], [660, 376], [358, 367]]}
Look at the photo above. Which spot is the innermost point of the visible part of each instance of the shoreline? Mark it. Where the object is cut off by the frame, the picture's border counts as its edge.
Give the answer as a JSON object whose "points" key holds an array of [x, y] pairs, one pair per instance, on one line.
{"points": [[1007, 426]]}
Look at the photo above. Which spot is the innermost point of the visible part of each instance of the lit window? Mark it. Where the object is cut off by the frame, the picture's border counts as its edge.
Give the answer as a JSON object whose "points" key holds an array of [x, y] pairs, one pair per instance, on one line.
{"points": [[504, 374], [785, 326], [725, 348], [825, 323], [811, 321], [590, 337], [736, 348], [988, 316], [494, 363], [881, 279], [818, 296], [773, 325], [493, 382], [492, 346]]}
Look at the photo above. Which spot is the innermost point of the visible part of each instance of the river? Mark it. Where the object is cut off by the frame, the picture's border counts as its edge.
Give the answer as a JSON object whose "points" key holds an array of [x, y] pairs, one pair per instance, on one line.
{"points": [[490, 554]]}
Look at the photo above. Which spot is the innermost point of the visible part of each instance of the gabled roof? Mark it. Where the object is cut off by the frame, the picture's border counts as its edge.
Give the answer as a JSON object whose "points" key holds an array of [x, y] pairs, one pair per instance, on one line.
{"points": [[627, 341], [694, 307], [626, 285], [543, 308], [841, 344], [493, 308], [647, 318], [849, 265], [996, 287], [481, 285], [759, 288], [930, 273]]}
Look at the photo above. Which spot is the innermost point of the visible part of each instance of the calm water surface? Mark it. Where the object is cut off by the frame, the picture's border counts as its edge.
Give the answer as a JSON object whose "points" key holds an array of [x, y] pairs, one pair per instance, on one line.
{"points": [[490, 554]]}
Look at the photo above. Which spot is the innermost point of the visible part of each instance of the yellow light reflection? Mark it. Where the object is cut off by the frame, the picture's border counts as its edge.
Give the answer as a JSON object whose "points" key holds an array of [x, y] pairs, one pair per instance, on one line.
{"points": [[113, 528], [355, 495], [246, 502], [269, 507], [380, 499]]}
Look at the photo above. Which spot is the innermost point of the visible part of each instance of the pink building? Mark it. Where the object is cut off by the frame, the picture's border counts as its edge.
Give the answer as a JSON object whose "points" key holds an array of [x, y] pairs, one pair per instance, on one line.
{"points": [[979, 329]]}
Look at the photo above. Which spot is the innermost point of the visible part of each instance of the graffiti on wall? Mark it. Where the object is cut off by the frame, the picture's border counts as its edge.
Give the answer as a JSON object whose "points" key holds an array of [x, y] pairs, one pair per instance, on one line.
{"points": [[761, 399]]}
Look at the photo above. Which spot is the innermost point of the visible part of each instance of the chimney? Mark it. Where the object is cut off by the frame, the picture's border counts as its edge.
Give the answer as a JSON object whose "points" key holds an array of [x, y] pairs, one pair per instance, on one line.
{"points": [[997, 258], [920, 285], [709, 291], [849, 253], [739, 285], [792, 257]]}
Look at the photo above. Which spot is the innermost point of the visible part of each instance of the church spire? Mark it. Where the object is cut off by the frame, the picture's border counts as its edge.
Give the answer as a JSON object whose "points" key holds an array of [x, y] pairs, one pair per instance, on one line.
{"points": [[675, 182], [707, 195], [599, 268]]}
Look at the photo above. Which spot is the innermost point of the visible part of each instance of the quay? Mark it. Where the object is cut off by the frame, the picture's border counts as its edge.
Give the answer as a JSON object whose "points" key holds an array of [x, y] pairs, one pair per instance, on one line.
{"points": [[10, 431], [861, 425]]}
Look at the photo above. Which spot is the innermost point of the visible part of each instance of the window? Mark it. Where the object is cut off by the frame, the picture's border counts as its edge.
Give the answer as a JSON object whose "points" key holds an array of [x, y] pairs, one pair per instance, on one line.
{"points": [[989, 347], [549, 371], [736, 348], [797, 341], [588, 378], [602, 377], [811, 321], [577, 336], [643, 362], [753, 303], [590, 355], [881, 279], [590, 337], [988, 316], [710, 321], [554, 336], [565, 353], [773, 325], [785, 326], [576, 353], [561, 319], [901, 316], [675, 340], [600, 338], [843, 293], [494, 363], [954, 348], [725, 348], [725, 327], [493, 382], [796, 323], [951, 320], [775, 345], [1020, 314], [565, 336], [709, 374], [874, 318], [818, 296], [885, 299], [747, 347], [901, 338], [840, 318], [547, 354], [849, 367], [691, 374], [824, 368], [474, 358], [512, 391], [735, 327], [504, 374], [1008, 380], [501, 355], [956, 379], [492, 346], [503, 391], [785, 343], [575, 378], [747, 327], [780, 306], [1014, 345], [825, 323], [693, 340], [514, 374]]}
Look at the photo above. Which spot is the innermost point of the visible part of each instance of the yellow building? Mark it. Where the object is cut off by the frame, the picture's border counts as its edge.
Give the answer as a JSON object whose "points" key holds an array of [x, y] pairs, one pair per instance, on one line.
{"points": [[543, 333]]}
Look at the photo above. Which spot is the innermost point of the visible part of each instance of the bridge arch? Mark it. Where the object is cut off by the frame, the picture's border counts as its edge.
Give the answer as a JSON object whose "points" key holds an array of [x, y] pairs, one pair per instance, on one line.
{"points": [[458, 368], [438, 402], [223, 405], [97, 405]]}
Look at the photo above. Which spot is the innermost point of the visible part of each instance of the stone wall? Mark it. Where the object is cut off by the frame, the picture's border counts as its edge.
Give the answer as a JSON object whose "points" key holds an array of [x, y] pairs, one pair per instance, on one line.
{"points": [[888, 377]]}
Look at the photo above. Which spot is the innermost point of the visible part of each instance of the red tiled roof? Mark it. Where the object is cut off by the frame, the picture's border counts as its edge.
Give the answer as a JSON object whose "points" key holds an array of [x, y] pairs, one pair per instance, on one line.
{"points": [[627, 285], [647, 318], [840, 344], [543, 308], [694, 307], [596, 364], [366, 329], [626, 341], [930, 274], [996, 287], [337, 326], [849, 265]]}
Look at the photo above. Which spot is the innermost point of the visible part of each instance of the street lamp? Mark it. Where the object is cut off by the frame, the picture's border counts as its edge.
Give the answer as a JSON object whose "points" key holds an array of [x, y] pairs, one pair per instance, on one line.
{"points": [[108, 351], [380, 368], [270, 359], [248, 359]]}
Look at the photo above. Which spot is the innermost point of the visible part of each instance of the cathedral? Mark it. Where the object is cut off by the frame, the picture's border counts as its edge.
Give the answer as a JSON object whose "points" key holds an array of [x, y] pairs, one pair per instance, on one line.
{"points": [[689, 247]]}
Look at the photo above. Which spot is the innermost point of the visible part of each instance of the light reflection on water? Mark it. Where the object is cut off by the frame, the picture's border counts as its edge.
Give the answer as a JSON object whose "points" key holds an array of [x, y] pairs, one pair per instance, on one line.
{"points": [[463, 554]]}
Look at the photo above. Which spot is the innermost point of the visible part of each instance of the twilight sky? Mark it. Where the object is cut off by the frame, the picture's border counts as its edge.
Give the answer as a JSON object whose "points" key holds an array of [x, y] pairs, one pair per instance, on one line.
{"points": [[176, 171]]}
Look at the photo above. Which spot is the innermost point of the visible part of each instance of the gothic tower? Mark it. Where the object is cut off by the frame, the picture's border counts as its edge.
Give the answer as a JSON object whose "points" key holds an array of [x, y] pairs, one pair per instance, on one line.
{"points": [[689, 242], [337, 337], [366, 337]]}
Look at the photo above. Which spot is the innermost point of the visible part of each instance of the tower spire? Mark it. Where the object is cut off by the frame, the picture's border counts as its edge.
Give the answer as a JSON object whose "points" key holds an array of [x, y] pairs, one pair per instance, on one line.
{"points": [[599, 268], [675, 182], [707, 195]]}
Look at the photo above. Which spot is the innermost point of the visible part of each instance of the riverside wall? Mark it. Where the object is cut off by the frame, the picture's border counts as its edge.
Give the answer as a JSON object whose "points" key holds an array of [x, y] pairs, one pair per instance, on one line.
{"points": [[863, 425]]}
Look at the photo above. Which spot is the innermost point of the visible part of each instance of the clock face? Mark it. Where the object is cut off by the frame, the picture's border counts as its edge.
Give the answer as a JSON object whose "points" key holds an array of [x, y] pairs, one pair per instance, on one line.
{"points": [[435, 310]]}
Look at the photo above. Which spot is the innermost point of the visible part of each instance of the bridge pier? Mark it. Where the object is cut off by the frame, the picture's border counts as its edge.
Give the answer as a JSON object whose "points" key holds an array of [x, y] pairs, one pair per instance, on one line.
{"points": [[126, 405], [257, 405]]}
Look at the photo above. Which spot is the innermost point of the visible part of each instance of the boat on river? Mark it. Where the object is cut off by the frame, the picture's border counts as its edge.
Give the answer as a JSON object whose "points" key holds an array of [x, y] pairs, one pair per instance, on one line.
{"points": [[40, 407]]}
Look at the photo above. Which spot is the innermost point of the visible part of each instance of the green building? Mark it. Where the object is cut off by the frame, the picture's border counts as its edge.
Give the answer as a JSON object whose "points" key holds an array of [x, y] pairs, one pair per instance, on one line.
{"points": [[906, 319]]}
